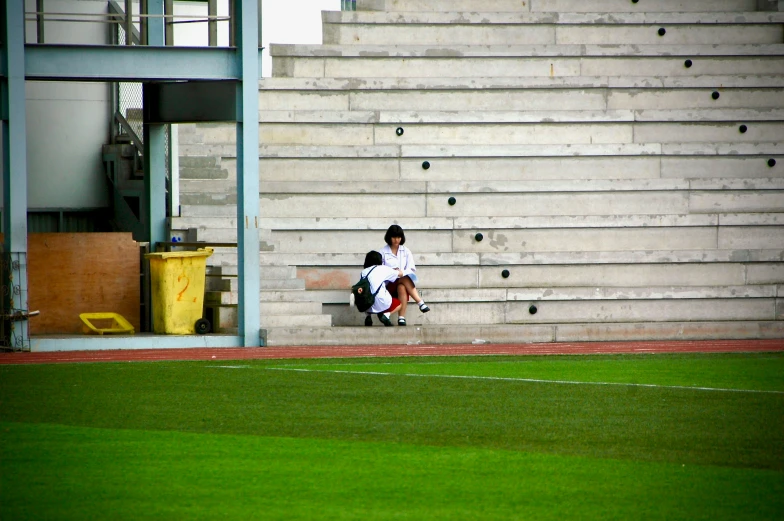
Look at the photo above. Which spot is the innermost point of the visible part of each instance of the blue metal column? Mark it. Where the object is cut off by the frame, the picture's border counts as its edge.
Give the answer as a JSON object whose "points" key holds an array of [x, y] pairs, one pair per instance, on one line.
{"points": [[248, 173], [15, 177], [154, 145]]}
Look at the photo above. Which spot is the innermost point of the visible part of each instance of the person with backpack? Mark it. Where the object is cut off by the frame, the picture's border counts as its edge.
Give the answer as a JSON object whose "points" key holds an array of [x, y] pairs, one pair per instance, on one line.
{"points": [[397, 256], [371, 290]]}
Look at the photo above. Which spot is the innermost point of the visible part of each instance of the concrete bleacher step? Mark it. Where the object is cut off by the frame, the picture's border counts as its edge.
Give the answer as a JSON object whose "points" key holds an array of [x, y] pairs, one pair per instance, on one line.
{"points": [[567, 6], [498, 134], [707, 163], [358, 28], [489, 17], [352, 115], [578, 312], [411, 61], [269, 321], [519, 333], [524, 100]]}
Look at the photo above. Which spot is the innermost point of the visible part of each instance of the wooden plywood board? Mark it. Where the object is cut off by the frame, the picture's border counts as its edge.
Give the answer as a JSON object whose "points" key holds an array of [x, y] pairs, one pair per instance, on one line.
{"points": [[73, 273]]}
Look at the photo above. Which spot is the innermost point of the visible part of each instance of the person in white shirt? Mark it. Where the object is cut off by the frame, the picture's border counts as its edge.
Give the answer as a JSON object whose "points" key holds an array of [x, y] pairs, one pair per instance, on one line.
{"points": [[397, 256], [378, 276]]}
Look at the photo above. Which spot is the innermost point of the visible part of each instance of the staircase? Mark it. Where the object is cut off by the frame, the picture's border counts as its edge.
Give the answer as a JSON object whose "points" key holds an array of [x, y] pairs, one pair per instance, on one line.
{"points": [[123, 164], [565, 170]]}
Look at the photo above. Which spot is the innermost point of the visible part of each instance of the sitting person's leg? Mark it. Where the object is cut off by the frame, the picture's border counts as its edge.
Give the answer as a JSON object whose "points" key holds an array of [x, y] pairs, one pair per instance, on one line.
{"points": [[402, 295], [411, 290]]}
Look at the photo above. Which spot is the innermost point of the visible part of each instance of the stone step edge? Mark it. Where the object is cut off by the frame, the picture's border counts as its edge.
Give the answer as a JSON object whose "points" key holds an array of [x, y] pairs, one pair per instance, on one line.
{"points": [[549, 258], [498, 117], [431, 152], [515, 293], [523, 51], [226, 224], [526, 82], [504, 333], [549, 18]]}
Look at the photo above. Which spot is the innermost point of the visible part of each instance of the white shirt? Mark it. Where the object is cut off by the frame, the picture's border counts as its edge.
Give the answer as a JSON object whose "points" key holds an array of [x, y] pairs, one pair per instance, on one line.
{"points": [[404, 259], [378, 281]]}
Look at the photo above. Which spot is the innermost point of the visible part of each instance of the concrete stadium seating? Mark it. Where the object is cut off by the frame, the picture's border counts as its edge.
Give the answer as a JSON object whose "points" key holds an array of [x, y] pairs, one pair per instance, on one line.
{"points": [[564, 170]]}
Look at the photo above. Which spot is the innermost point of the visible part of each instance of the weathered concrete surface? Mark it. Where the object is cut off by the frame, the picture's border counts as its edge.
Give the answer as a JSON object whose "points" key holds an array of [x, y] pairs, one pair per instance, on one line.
{"points": [[629, 184], [548, 33], [558, 6]]}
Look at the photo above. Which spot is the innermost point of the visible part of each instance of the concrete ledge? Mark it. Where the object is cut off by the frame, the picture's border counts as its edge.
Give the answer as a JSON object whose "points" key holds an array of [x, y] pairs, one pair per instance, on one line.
{"points": [[562, 6], [674, 257], [522, 51], [551, 34], [428, 152], [556, 293], [523, 66], [138, 341], [469, 223], [501, 334], [723, 149], [379, 335], [632, 293], [670, 331], [576, 312], [565, 150], [554, 18]]}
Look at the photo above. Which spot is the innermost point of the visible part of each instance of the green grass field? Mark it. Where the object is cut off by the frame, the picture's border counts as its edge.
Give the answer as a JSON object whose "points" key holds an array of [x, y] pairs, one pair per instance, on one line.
{"points": [[588, 437]]}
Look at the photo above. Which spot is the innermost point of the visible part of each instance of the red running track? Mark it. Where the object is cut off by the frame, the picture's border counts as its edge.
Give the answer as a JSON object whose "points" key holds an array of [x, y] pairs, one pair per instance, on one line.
{"points": [[225, 353]]}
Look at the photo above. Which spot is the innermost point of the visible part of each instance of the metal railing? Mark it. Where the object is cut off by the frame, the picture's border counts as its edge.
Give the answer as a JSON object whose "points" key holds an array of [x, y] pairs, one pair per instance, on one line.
{"points": [[121, 13]]}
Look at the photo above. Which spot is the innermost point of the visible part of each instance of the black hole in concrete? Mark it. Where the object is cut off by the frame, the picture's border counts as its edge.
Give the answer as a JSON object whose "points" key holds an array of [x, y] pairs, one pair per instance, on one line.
{"points": [[532, 309], [743, 129], [425, 165], [771, 162], [715, 94], [452, 201], [635, 1], [688, 63], [399, 131], [505, 274], [479, 237], [662, 31]]}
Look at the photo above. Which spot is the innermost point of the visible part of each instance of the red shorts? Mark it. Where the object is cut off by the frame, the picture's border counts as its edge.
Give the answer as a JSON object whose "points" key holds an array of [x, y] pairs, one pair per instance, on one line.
{"points": [[392, 287], [394, 305]]}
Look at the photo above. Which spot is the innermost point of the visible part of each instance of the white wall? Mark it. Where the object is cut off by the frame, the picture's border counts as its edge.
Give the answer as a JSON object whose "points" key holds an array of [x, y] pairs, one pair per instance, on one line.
{"points": [[67, 123]]}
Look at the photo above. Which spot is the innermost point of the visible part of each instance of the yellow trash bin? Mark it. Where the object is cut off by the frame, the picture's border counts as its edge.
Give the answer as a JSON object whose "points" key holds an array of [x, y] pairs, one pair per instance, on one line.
{"points": [[177, 291]]}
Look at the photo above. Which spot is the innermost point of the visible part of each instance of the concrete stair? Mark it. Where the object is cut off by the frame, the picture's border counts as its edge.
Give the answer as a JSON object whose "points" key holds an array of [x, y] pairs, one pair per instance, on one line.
{"points": [[284, 302], [563, 171], [544, 61], [569, 6]]}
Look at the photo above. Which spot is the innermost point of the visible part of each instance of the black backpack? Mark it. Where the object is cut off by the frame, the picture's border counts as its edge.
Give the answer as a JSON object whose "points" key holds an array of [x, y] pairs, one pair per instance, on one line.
{"points": [[363, 295]]}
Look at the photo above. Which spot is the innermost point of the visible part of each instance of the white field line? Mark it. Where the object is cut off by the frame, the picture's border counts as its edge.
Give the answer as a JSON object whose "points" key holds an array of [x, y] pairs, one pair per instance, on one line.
{"points": [[530, 380]]}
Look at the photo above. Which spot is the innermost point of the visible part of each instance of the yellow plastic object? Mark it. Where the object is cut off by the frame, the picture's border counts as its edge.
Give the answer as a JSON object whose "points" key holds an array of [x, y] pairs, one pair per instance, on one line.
{"points": [[118, 323], [177, 290]]}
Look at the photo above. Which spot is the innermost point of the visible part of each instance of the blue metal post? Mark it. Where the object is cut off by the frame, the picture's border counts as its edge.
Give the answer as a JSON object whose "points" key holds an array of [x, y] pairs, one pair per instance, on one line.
{"points": [[248, 173], [156, 33], [154, 144], [15, 176]]}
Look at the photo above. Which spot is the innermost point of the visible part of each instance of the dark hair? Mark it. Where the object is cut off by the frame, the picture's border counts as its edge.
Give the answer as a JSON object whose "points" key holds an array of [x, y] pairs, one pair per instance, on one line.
{"points": [[394, 231], [373, 258]]}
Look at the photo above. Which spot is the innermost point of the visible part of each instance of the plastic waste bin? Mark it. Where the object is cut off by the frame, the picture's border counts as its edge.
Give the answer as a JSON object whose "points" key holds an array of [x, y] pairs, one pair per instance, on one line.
{"points": [[177, 291]]}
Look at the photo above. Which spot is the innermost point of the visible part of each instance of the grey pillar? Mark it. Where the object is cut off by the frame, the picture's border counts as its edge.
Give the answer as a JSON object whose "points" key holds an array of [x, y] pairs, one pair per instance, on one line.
{"points": [[212, 23], [248, 173], [154, 145], [14, 265]]}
